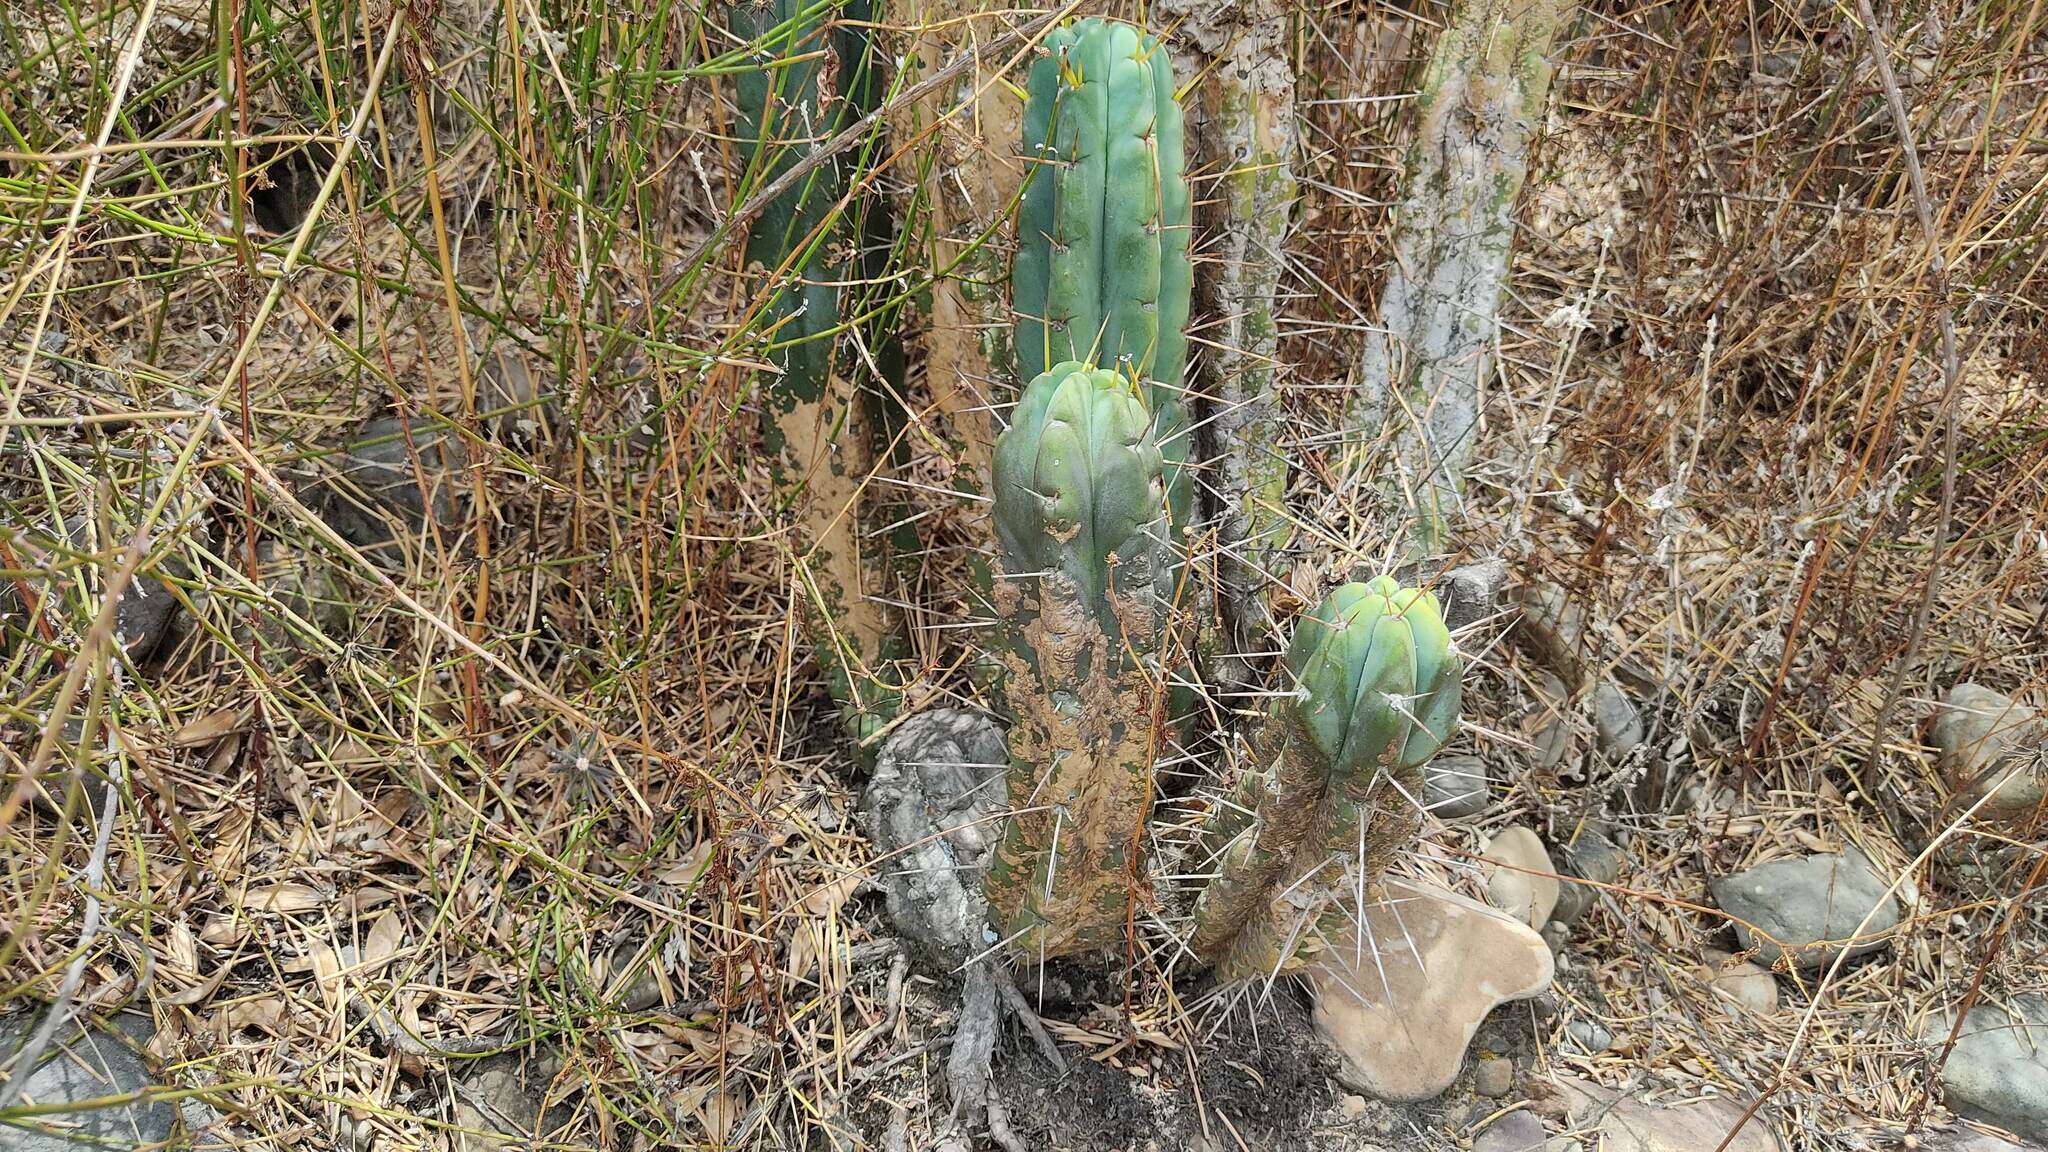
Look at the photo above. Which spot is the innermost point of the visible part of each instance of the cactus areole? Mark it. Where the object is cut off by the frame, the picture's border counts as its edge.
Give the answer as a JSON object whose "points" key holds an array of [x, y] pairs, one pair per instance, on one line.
{"points": [[1102, 275], [1082, 598], [1378, 695]]}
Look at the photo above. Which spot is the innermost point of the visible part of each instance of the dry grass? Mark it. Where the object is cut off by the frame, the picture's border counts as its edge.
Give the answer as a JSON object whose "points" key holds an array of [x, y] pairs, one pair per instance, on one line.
{"points": [[393, 816]]}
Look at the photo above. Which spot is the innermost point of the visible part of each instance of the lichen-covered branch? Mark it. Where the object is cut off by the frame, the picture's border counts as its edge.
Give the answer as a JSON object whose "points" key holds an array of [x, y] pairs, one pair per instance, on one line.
{"points": [[1080, 511], [1484, 89], [821, 422]]}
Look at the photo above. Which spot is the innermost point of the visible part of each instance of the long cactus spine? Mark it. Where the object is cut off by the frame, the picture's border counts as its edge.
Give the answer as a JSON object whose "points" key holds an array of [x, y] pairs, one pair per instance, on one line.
{"points": [[1083, 603], [1378, 694], [1102, 274]]}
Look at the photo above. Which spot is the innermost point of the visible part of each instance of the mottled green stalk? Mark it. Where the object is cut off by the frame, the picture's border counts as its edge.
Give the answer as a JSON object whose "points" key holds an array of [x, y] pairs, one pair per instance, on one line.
{"points": [[1481, 97], [822, 425], [1102, 274], [1378, 695], [1083, 605], [1241, 125]]}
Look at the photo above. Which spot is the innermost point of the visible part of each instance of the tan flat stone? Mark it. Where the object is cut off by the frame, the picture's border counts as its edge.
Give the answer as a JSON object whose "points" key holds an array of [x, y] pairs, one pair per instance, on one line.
{"points": [[1401, 1027], [1527, 887], [1626, 1124]]}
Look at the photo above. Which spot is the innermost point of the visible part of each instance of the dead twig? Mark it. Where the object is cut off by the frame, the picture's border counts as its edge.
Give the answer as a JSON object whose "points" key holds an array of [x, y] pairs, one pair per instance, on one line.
{"points": [[1951, 373]]}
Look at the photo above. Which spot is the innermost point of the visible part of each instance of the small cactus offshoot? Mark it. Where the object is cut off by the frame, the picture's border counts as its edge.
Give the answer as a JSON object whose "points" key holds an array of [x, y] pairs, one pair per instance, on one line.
{"points": [[1083, 604], [1378, 695]]}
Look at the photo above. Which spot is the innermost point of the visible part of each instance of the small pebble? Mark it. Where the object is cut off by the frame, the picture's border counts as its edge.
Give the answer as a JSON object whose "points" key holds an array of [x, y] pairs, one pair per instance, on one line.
{"points": [[1495, 1077], [1749, 985], [1590, 1035]]}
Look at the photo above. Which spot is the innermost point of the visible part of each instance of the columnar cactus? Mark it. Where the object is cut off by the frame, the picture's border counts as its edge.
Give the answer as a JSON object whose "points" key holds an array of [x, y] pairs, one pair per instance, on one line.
{"points": [[1431, 347], [1083, 604], [815, 77], [1102, 273], [1242, 128], [784, 112], [1378, 696]]}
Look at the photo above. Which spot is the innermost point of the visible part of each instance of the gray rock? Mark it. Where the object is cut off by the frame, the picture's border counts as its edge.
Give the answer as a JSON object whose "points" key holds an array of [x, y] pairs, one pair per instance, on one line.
{"points": [[1627, 1124], [145, 617], [513, 407], [1988, 743], [1454, 787], [1518, 1131], [1572, 902], [1998, 1070], [1590, 856], [498, 1104], [81, 1065], [1493, 1077], [1470, 593], [1554, 625], [357, 1135], [1524, 882], [1552, 730], [1782, 64], [1590, 1035], [304, 590], [205, 1124], [375, 496], [1808, 902], [640, 991], [1967, 1141], [929, 810], [1617, 724]]}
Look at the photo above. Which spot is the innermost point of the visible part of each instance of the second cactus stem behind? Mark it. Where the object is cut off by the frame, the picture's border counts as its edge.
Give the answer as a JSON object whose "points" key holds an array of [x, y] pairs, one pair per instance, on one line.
{"points": [[1102, 274], [1082, 601], [813, 77], [1378, 695]]}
